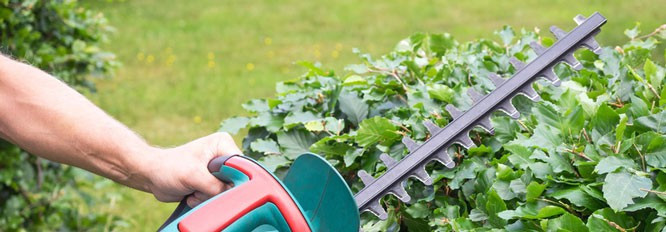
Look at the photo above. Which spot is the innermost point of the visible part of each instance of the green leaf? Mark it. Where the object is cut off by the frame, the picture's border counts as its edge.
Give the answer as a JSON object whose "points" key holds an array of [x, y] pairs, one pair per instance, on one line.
{"points": [[503, 189], [273, 162], [295, 142], [656, 122], [532, 210], [336, 146], [632, 33], [334, 125], [418, 210], [256, 105], [546, 137], [441, 92], [578, 197], [314, 126], [266, 146], [567, 222], [506, 34], [353, 107], [638, 107], [505, 128], [495, 205], [621, 127], [440, 43], [612, 163], [558, 162], [605, 119], [272, 123], [621, 188], [477, 215], [351, 155], [520, 155], [416, 225], [417, 98], [234, 124], [377, 130], [354, 80], [504, 172], [296, 118], [534, 190], [653, 147], [649, 201], [662, 97], [652, 75], [608, 220]]}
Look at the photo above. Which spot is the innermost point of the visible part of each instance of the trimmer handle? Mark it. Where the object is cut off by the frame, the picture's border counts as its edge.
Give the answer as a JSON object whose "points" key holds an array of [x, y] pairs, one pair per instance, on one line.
{"points": [[257, 200]]}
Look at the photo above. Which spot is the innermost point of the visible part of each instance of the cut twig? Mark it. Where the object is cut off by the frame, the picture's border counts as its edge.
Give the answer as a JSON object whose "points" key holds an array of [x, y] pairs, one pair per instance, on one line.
{"points": [[655, 32], [653, 191], [581, 154], [641, 155], [522, 124], [587, 137]]}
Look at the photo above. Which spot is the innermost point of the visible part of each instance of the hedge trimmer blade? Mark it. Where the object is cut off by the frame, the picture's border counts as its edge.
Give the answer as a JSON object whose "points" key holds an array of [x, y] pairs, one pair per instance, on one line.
{"points": [[435, 148]]}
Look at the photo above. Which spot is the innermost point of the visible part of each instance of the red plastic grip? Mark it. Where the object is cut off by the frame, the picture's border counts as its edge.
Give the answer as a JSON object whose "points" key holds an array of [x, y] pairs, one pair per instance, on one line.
{"points": [[240, 200]]}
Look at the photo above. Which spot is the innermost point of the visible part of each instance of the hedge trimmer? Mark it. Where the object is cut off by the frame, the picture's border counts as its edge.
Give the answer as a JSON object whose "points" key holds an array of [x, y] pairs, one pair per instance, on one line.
{"points": [[314, 197]]}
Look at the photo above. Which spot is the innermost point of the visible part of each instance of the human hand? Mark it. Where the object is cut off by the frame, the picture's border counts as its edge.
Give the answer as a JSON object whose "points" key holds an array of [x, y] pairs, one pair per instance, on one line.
{"points": [[182, 171]]}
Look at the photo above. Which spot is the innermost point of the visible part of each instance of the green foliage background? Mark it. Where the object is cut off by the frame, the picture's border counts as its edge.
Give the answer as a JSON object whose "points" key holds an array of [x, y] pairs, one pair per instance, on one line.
{"points": [[589, 156], [35, 194]]}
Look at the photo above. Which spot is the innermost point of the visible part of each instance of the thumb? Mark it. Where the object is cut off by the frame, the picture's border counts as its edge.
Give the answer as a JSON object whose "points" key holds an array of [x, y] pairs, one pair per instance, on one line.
{"points": [[225, 145]]}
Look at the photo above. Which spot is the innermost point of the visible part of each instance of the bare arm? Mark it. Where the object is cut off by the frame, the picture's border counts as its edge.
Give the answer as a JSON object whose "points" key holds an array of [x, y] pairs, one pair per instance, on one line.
{"points": [[47, 118]]}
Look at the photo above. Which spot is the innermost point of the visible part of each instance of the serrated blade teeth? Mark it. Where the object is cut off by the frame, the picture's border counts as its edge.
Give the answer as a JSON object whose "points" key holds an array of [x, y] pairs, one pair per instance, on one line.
{"points": [[431, 127], [530, 93], [453, 111], [591, 43], [549, 75], [559, 33], [464, 140], [378, 211], [538, 49], [365, 177], [486, 125], [579, 19], [475, 96], [443, 157], [387, 160], [400, 193], [572, 61], [422, 176], [516, 63], [509, 109], [411, 144], [496, 79]]}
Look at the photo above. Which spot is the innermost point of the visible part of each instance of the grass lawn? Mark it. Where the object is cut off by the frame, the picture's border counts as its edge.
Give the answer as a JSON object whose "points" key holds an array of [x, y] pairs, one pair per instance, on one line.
{"points": [[190, 64]]}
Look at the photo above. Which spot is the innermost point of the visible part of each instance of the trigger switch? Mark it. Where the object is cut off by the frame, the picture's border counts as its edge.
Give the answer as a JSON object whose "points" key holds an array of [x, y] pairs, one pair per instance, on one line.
{"points": [[215, 164]]}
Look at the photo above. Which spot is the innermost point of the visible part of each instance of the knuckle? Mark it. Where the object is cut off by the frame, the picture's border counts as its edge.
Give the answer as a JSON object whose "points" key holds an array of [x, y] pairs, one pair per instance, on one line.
{"points": [[223, 136]]}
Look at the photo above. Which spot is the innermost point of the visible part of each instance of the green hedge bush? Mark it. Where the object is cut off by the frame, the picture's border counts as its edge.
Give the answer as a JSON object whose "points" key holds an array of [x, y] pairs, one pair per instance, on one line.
{"points": [[61, 38], [591, 156]]}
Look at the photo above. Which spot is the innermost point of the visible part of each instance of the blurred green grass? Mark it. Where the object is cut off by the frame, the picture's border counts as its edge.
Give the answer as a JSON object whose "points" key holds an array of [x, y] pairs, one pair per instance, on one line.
{"points": [[190, 64]]}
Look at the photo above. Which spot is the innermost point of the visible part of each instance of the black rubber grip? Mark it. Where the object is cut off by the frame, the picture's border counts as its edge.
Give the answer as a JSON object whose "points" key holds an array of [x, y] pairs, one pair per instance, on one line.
{"points": [[215, 164]]}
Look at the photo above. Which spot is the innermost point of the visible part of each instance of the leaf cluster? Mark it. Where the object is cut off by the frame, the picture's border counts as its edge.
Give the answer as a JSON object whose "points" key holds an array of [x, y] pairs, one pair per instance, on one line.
{"points": [[589, 157]]}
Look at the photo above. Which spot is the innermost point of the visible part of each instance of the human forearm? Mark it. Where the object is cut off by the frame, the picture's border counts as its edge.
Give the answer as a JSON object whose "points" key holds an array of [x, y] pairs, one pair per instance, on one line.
{"points": [[47, 118]]}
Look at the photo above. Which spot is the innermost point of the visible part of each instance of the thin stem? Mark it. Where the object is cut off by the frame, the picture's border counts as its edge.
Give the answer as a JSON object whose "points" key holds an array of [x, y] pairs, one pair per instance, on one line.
{"points": [[655, 32], [581, 154], [653, 191], [524, 126], [641, 155]]}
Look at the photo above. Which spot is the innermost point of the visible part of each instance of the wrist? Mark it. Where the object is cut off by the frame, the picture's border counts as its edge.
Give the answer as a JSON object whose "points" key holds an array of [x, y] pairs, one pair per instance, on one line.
{"points": [[140, 166]]}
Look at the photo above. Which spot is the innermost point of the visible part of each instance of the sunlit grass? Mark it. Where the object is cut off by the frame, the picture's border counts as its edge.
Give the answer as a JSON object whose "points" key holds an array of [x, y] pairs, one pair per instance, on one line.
{"points": [[190, 64]]}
